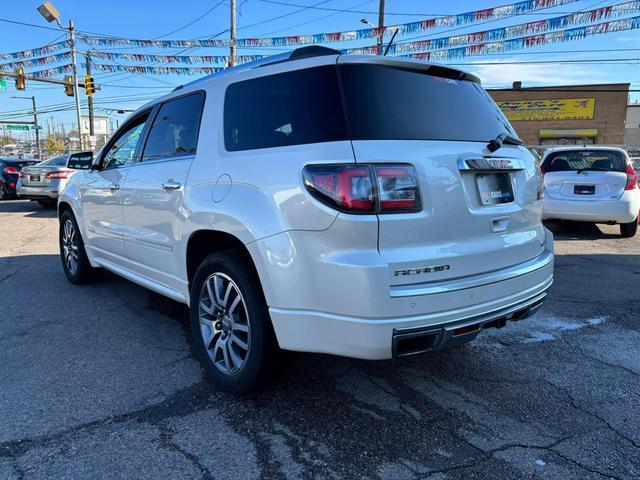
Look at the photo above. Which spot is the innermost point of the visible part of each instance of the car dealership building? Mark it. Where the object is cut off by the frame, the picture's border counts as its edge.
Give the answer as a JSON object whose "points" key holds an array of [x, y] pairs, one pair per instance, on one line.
{"points": [[566, 115]]}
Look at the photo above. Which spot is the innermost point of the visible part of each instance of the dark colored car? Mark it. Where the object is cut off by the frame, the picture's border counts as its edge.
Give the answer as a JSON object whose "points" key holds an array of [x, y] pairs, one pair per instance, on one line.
{"points": [[9, 170]]}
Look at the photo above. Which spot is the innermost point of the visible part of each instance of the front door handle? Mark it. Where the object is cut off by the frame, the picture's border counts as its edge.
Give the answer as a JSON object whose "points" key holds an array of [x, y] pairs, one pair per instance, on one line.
{"points": [[114, 187], [171, 185]]}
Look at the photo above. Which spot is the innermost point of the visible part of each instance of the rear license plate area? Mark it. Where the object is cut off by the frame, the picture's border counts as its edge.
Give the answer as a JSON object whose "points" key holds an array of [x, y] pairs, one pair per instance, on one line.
{"points": [[584, 189], [34, 178], [494, 188]]}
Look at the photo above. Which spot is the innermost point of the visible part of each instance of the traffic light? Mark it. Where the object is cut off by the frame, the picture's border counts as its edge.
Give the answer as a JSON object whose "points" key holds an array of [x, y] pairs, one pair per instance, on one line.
{"points": [[20, 79], [68, 86], [89, 87]]}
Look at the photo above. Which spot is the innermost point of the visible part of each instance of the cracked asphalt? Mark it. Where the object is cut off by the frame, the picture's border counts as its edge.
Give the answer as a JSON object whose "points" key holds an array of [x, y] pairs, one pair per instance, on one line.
{"points": [[99, 381]]}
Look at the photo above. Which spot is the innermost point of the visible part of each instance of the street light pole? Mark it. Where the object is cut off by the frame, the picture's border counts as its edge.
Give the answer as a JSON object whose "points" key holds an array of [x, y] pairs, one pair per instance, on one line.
{"points": [[35, 123], [51, 14]]}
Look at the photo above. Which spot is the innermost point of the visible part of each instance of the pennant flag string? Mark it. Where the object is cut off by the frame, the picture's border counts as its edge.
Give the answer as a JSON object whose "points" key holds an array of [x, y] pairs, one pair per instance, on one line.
{"points": [[35, 52], [467, 18], [504, 33], [156, 70], [37, 62], [419, 46], [530, 41], [185, 59], [565, 35]]}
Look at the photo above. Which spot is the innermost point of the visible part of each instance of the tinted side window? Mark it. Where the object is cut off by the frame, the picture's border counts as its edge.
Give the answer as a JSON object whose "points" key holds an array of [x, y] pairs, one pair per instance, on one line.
{"points": [[291, 108], [174, 132], [123, 148]]}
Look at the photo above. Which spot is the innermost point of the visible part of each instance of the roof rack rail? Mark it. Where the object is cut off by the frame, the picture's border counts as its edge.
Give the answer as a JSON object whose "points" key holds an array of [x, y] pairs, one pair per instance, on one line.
{"points": [[298, 54]]}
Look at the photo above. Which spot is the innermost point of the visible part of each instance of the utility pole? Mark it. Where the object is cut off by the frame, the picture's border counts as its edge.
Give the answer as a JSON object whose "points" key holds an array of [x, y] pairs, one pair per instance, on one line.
{"points": [[90, 98], [380, 27], [37, 127], [74, 70], [232, 36]]}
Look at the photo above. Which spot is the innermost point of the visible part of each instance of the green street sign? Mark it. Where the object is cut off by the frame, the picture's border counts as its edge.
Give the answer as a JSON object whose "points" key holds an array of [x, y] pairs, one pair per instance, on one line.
{"points": [[34, 127], [3, 84], [17, 127]]}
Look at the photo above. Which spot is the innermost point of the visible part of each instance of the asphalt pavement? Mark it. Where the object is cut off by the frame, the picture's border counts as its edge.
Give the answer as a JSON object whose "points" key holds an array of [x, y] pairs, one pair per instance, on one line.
{"points": [[99, 381]]}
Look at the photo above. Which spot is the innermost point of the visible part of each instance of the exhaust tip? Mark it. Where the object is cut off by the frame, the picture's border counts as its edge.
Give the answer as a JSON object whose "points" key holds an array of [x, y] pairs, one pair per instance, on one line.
{"points": [[406, 344]]}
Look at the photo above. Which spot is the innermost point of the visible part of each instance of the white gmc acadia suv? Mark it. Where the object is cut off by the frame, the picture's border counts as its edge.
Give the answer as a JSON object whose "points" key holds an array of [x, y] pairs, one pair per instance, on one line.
{"points": [[362, 206]]}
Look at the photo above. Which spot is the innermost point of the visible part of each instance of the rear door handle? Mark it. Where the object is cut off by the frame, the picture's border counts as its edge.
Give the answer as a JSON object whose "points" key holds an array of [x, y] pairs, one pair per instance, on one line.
{"points": [[114, 187], [171, 185]]}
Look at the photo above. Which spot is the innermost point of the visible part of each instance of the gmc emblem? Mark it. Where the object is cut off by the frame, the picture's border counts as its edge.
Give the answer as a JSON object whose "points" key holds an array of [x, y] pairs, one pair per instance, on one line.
{"points": [[418, 271]]}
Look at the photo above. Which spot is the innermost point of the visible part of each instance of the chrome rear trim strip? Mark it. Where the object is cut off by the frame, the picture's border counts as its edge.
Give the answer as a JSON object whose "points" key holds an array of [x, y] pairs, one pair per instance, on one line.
{"points": [[471, 282]]}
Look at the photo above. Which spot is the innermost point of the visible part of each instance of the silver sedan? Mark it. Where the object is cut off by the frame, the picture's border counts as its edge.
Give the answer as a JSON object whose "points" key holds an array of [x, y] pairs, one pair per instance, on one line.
{"points": [[42, 182]]}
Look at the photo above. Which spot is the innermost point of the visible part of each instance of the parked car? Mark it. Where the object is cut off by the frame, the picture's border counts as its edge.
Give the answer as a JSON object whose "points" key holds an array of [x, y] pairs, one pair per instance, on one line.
{"points": [[363, 206], [9, 171], [591, 184], [635, 161], [42, 182]]}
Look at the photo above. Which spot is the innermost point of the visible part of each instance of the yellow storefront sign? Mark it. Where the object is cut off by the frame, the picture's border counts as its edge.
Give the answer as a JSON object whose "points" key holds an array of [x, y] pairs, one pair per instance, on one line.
{"points": [[553, 109]]}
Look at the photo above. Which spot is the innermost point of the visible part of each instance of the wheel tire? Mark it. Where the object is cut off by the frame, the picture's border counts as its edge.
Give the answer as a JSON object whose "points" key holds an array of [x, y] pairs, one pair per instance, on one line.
{"points": [[46, 203], [71, 241], [222, 325], [628, 230]]}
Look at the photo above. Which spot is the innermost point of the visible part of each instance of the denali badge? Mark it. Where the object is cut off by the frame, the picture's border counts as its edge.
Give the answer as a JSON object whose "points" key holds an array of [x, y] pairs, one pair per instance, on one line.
{"points": [[418, 271]]}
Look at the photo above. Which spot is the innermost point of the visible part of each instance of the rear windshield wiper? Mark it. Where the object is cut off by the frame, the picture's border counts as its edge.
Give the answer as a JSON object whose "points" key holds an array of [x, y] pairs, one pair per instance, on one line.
{"points": [[597, 169], [497, 142]]}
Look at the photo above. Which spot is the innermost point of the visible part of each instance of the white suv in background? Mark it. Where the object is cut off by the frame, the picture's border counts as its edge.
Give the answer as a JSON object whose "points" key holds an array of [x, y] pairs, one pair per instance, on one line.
{"points": [[591, 184], [360, 206]]}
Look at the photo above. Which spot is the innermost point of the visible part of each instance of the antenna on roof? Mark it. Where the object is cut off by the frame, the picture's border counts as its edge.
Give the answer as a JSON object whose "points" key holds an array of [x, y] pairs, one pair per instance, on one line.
{"points": [[386, 50]]}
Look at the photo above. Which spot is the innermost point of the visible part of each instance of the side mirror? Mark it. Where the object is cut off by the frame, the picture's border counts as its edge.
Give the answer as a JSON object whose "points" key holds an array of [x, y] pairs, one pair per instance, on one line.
{"points": [[80, 160]]}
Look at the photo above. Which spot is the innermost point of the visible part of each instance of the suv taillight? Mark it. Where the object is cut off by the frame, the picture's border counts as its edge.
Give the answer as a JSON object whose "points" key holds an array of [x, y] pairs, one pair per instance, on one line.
{"points": [[365, 188], [57, 174], [632, 178], [11, 170]]}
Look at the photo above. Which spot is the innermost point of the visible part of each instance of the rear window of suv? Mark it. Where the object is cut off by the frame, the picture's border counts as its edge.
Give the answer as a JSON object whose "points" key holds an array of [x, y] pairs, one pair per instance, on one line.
{"points": [[390, 103], [608, 160], [358, 102]]}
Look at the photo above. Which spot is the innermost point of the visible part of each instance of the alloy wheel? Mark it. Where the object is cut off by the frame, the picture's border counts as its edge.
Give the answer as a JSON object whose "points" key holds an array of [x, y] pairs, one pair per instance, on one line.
{"points": [[224, 323], [70, 246]]}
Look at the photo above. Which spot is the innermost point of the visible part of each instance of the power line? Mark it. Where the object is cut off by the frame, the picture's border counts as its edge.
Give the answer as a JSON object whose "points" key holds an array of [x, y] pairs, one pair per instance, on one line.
{"points": [[25, 24], [191, 22], [371, 12], [304, 7], [312, 21]]}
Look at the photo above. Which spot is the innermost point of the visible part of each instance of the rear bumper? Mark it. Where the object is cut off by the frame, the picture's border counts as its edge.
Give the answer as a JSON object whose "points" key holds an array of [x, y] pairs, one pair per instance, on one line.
{"points": [[624, 210], [37, 193], [458, 318]]}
